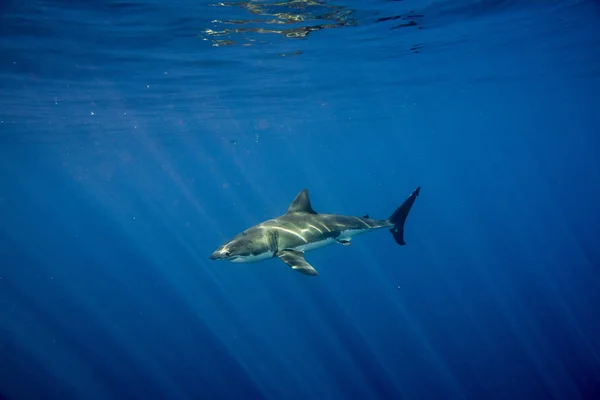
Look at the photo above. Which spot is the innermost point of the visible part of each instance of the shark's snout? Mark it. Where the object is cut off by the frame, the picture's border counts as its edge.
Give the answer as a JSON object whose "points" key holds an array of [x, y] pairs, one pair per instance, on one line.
{"points": [[220, 254]]}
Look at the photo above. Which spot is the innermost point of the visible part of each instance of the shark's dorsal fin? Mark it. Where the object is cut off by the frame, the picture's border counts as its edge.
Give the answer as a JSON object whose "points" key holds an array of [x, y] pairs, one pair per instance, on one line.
{"points": [[301, 203]]}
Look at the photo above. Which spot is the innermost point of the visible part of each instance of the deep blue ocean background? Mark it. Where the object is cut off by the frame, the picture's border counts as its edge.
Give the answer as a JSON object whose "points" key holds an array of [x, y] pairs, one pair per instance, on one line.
{"points": [[138, 136]]}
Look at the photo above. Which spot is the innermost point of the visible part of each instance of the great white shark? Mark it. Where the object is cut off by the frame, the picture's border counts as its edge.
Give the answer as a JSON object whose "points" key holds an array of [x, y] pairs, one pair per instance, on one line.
{"points": [[302, 229]]}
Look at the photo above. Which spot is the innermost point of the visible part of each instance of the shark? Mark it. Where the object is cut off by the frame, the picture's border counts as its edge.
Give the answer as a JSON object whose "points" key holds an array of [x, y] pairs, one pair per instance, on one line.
{"points": [[301, 229]]}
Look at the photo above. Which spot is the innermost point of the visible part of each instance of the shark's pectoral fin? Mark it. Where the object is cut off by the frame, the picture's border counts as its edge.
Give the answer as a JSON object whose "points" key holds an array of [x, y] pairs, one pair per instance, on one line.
{"points": [[295, 260], [345, 242]]}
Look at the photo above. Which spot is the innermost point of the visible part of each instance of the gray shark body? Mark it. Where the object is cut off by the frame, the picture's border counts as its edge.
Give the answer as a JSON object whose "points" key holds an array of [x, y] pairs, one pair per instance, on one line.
{"points": [[302, 229]]}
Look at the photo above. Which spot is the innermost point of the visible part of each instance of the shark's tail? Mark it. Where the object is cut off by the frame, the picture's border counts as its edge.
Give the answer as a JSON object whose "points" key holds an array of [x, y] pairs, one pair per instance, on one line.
{"points": [[398, 218]]}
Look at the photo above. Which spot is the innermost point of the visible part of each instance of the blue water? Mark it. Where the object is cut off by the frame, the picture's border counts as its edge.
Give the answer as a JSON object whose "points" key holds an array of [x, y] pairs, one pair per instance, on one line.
{"points": [[136, 137]]}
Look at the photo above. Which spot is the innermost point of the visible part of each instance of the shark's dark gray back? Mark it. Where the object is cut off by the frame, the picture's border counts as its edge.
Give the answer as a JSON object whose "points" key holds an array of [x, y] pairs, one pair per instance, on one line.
{"points": [[301, 228], [302, 225]]}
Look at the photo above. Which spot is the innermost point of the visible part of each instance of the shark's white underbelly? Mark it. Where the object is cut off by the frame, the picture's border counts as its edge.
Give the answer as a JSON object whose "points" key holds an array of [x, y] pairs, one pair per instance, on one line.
{"points": [[314, 245], [344, 235]]}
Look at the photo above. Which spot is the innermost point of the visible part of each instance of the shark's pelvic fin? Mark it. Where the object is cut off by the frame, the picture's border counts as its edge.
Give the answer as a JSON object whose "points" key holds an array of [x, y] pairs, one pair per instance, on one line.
{"points": [[295, 260], [398, 218], [301, 203]]}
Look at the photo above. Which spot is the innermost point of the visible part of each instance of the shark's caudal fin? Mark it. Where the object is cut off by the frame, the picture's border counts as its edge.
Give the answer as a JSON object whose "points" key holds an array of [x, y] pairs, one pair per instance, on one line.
{"points": [[398, 218]]}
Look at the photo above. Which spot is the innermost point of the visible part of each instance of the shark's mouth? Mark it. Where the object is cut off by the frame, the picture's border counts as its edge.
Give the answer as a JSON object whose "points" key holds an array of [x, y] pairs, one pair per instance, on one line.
{"points": [[250, 258]]}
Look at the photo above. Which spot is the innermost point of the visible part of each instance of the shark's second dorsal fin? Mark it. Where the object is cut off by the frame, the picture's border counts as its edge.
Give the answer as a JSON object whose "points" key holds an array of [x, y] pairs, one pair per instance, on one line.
{"points": [[301, 203]]}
